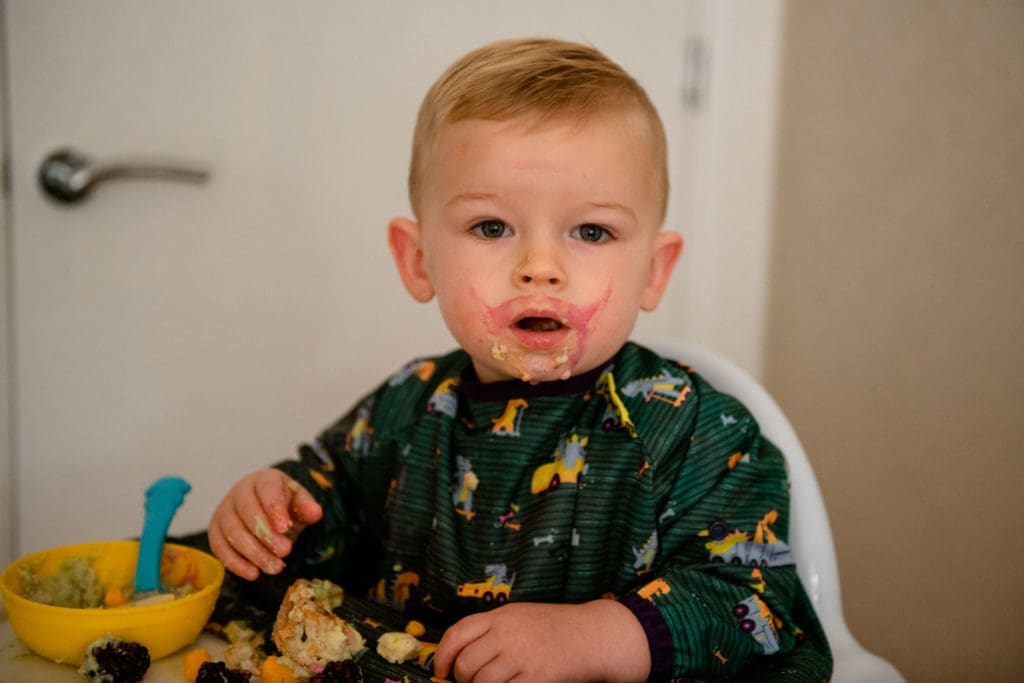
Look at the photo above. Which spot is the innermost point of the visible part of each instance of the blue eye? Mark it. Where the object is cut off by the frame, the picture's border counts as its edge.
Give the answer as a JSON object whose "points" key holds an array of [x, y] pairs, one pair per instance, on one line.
{"points": [[588, 232], [491, 229]]}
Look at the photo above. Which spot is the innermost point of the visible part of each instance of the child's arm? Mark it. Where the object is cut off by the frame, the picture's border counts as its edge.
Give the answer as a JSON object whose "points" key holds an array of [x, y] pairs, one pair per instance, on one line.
{"points": [[251, 529], [722, 597], [597, 640]]}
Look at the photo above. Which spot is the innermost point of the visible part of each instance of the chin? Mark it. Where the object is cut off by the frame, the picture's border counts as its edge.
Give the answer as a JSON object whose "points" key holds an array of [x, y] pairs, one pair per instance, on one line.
{"points": [[534, 367]]}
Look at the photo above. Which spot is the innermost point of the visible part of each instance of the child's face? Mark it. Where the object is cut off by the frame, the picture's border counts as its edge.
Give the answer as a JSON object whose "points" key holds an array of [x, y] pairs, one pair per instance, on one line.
{"points": [[541, 244]]}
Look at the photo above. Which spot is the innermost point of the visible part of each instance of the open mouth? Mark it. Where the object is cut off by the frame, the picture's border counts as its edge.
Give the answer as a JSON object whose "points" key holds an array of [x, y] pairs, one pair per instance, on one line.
{"points": [[537, 324]]}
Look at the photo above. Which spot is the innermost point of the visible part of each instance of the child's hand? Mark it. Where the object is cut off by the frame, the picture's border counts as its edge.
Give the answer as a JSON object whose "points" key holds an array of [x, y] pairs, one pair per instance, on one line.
{"points": [[253, 527], [599, 640]]}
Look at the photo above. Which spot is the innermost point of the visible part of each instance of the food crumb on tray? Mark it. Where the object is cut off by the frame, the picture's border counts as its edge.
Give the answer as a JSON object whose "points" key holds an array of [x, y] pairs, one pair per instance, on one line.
{"points": [[398, 647]]}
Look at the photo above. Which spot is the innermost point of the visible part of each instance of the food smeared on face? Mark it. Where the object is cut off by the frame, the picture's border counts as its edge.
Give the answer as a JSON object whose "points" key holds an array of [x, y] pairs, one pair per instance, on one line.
{"points": [[540, 338], [499, 351]]}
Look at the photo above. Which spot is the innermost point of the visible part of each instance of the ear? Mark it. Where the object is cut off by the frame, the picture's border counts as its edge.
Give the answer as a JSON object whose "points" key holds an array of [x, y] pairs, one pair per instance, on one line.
{"points": [[667, 248], [406, 249]]}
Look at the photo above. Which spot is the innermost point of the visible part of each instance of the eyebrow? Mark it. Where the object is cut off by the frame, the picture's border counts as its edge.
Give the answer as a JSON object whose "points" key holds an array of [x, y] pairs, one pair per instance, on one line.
{"points": [[615, 206], [471, 197], [483, 196]]}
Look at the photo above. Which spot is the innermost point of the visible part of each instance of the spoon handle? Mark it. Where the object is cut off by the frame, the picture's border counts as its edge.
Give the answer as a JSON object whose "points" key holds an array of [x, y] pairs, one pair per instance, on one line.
{"points": [[162, 500]]}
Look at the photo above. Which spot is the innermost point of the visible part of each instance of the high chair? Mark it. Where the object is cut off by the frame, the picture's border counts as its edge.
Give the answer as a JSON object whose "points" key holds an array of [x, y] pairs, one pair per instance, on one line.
{"points": [[810, 535]]}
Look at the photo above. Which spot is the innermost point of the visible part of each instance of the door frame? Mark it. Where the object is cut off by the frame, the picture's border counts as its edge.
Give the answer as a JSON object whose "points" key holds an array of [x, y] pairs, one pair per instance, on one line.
{"points": [[730, 231], [730, 220]]}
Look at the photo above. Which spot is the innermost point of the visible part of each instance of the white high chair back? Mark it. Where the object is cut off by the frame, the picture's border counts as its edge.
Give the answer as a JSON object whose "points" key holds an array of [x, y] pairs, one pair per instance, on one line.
{"points": [[810, 535]]}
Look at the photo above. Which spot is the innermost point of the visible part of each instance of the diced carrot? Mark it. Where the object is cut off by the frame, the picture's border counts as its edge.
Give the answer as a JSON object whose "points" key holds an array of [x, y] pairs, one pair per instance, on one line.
{"points": [[426, 650], [178, 569], [114, 597], [193, 660], [274, 671], [415, 629]]}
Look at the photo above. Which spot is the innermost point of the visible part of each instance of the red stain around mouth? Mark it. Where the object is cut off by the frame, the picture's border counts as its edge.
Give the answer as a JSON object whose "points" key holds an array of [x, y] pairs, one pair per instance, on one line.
{"points": [[544, 323]]}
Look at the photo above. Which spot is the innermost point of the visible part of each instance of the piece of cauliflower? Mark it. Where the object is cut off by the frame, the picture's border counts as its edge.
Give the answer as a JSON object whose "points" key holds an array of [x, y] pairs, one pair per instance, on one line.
{"points": [[398, 647]]}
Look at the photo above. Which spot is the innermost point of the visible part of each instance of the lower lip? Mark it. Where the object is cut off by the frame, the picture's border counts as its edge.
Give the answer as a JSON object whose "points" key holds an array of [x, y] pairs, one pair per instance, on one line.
{"points": [[540, 340]]}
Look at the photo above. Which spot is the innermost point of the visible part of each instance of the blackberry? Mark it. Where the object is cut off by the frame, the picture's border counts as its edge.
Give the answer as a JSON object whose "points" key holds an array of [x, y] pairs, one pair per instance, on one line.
{"points": [[339, 672], [109, 660], [218, 672]]}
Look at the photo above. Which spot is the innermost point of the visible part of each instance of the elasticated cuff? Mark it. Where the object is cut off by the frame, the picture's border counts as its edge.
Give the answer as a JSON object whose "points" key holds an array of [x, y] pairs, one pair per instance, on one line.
{"points": [[659, 639]]}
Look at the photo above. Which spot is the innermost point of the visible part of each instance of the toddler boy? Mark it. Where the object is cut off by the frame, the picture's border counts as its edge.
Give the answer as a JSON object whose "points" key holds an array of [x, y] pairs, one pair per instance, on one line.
{"points": [[568, 504]]}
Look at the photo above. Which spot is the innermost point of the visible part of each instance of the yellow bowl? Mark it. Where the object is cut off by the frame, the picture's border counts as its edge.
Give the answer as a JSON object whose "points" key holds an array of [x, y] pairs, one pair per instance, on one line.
{"points": [[63, 633]]}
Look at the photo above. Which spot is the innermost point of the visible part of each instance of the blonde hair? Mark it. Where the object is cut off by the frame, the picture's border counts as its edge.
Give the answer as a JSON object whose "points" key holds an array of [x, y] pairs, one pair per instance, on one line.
{"points": [[538, 77]]}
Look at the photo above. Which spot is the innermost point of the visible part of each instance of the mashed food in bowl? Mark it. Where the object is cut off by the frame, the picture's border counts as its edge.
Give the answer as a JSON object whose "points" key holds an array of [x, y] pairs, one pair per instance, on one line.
{"points": [[74, 584]]}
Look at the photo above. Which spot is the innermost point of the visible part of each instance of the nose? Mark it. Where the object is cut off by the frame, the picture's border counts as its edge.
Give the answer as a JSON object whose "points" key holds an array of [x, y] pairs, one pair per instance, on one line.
{"points": [[541, 265]]}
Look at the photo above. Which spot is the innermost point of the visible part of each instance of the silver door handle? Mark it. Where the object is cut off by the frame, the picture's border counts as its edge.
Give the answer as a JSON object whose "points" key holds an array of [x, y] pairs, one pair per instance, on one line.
{"points": [[69, 177]]}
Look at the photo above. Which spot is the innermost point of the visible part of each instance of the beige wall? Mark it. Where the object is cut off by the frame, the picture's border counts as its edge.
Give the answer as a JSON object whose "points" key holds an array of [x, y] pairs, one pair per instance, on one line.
{"points": [[896, 319], [6, 442]]}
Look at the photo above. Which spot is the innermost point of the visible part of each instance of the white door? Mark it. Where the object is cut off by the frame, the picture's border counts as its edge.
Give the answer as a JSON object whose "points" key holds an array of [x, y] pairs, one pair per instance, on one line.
{"points": [[204, 330]]}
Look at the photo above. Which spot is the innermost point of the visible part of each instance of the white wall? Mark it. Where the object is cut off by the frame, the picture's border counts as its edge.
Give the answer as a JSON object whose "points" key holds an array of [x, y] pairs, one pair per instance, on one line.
{"points": [[725, 272]]}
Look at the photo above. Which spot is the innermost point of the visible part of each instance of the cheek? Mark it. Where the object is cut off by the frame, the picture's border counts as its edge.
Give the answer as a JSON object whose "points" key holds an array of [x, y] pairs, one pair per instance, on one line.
{"points": [[463, 310], [451, 266], [628, 280], [447, 278], [612, 320]]}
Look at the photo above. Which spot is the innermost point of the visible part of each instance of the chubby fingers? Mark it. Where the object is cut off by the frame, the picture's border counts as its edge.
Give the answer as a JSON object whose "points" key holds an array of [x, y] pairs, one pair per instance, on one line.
{"points": [[240, 534], [464, 650], [248, 529], [304, 509], [233, 560]]}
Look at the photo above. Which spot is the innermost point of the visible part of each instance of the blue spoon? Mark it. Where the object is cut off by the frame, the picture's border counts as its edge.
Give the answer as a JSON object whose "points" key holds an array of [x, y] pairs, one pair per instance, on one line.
{"points": [[162, 500]]}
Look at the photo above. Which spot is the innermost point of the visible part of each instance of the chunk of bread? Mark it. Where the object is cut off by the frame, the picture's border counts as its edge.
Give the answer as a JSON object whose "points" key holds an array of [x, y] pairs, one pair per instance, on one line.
{"points": [[308, 632]]}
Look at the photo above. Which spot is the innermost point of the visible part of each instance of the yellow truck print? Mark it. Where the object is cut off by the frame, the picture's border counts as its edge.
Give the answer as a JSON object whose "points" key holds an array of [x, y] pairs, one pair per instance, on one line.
{"points": [[735, 547], [494, 590], [566, 468]]}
